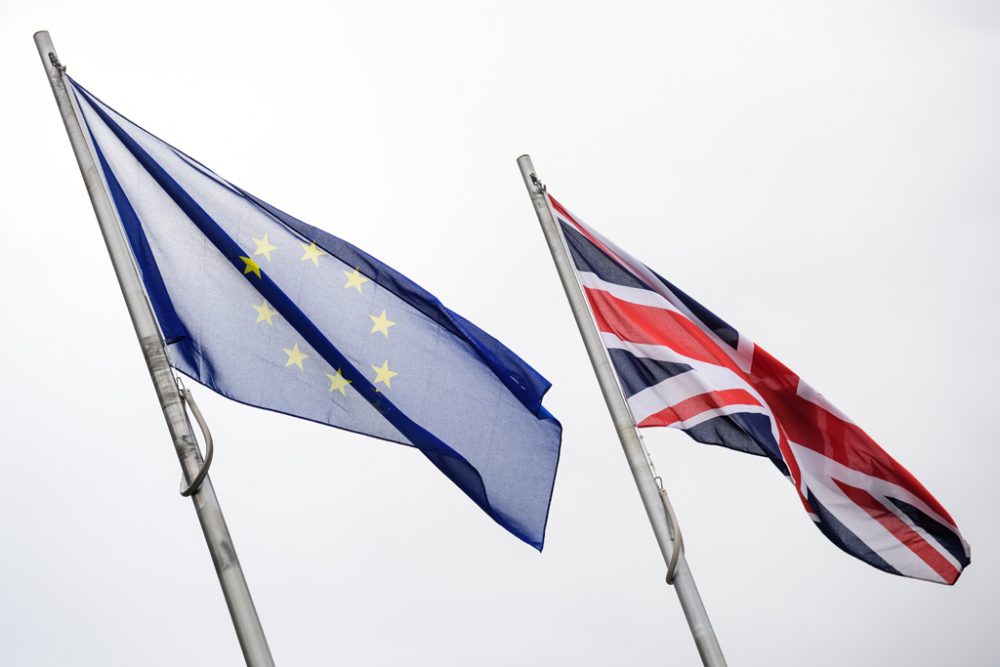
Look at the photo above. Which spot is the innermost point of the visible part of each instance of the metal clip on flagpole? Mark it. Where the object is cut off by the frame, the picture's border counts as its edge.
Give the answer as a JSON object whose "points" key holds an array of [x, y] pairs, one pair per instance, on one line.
{"points": [[678, 547], [675, 527], [55, 62], [213, 524], [657, 505], [189, 403]]}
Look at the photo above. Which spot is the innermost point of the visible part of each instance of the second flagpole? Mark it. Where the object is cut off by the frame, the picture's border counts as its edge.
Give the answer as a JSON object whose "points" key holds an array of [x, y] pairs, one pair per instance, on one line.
{"points": [[645, 479]]}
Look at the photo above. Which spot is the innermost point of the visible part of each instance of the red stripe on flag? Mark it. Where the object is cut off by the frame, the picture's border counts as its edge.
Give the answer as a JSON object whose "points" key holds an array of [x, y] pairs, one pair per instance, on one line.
{"points": [[559, 207], [694, 406], [650, 325], [908, 537]]}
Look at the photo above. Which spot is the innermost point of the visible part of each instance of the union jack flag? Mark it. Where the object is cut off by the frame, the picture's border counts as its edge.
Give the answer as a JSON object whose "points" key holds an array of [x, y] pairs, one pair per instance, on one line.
{"points": [[681, 366]]}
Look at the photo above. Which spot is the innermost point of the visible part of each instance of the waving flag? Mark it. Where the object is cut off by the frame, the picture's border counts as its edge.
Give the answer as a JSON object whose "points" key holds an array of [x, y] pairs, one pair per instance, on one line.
{"points": [[272, 312], [679, 365]]}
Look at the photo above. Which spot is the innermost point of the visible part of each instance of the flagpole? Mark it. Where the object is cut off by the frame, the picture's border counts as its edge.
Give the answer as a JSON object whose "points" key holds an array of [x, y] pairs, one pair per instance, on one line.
{"points": [[654, 499], [213, 524]]}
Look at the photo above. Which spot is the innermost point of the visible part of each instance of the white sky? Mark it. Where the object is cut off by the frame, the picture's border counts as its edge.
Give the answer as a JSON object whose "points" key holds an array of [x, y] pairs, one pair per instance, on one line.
{"points": [[823, 176]]}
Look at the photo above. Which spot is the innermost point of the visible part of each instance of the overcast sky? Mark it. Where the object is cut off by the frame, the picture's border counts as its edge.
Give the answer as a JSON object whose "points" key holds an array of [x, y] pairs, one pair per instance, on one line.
{"points": [[822, 176]]}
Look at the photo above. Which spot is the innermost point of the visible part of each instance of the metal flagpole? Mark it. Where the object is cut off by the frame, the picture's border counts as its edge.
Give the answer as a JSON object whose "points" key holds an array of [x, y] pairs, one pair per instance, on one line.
{"points": [[653, 497], [172, 397]]}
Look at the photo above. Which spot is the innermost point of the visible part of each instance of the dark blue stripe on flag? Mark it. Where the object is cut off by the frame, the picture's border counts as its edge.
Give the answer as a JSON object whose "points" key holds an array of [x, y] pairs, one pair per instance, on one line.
{"points": [[840, 535], [945, 536], [638, 373], [170, 325], [743, 431], [589, 258]]}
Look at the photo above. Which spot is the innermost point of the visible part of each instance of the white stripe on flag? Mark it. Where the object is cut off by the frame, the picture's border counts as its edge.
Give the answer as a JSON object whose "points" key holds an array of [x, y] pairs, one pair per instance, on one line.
{"points": [[681, 387], [805, 392], [637, 295], [702, 417]]}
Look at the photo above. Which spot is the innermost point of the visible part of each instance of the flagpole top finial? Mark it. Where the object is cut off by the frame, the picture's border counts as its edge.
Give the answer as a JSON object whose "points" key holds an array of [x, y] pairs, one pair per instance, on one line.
{"points": [[531, 180], [46, 49]]}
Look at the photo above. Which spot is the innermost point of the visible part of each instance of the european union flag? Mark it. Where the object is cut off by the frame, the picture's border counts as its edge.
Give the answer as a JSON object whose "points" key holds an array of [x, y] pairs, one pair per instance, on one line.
{"points": [[272, 312]]}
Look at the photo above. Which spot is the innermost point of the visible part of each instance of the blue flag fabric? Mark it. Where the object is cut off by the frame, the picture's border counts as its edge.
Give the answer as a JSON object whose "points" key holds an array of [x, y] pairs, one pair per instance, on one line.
{"points": [[274, 313]]}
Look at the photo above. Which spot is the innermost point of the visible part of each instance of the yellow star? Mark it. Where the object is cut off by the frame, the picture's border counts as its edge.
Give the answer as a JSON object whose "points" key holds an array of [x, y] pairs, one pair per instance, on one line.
{"points": [[383, 374], [338, 382], [381, 323], [264, 247], [312, 253], [355, 279], [295, 356], [251, 266], [264, 313]]}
